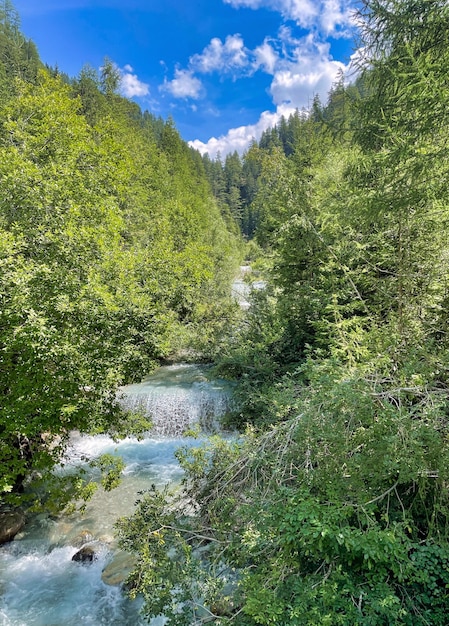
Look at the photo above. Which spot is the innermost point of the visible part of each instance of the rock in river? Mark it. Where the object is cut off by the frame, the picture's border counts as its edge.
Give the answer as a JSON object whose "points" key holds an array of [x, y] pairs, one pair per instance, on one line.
{"points": [[11, 522], [87, 554], [117, 571]]}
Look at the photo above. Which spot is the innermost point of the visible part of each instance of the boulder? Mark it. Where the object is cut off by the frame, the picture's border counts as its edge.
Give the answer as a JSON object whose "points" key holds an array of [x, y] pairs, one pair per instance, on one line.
{"points": [[11, 522], [87, 554], [118, 570], [85, 536]]}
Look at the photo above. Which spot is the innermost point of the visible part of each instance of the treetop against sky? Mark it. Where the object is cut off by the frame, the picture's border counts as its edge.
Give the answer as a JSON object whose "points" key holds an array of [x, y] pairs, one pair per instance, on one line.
{"points": [[225, 70]]}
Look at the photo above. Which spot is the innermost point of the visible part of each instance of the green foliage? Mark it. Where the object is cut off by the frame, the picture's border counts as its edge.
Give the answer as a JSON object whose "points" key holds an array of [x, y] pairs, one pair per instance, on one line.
{"points": [[332, 506], [18, 56], [112, 254], [111, 468], [337, 515], [172, 573]]}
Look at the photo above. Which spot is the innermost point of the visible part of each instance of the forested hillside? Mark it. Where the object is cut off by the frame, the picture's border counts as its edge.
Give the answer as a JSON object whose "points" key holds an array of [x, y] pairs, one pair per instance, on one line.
{"points": [[113, 253], [332, 507]]}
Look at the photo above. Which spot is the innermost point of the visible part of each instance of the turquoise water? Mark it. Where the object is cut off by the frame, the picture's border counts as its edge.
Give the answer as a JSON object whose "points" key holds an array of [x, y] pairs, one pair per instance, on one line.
{"points": [[40, 585]]}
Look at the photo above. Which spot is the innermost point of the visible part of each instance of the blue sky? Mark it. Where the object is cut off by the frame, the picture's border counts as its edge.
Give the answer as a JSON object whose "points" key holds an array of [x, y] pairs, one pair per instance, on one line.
{"points": [[223, 69]]}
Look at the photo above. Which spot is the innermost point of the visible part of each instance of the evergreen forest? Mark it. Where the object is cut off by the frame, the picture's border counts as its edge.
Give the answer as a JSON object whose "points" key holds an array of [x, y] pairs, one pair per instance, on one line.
{"points": [[328, 503]]}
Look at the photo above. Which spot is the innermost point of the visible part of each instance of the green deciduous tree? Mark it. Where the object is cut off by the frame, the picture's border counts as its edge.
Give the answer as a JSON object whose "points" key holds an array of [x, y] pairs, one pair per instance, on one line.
{"points": [[107, 257]]}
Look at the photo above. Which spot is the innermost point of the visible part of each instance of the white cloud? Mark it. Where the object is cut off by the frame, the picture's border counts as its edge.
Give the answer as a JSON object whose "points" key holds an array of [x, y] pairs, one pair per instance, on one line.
{"points": [[228, 57], [305, 12], [131, 86], [312, 72], [337, 13], [240, 138], [218, 56], [184, 85], [232, 57], [266, 57], [326, 15], [252, 4], [301, 67], [306, 70], [299, 88]]}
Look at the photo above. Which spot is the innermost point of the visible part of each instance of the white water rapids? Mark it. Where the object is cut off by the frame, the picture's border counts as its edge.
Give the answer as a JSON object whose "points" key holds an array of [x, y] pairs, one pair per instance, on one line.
{"points": [[40, 585], [243, 288]]}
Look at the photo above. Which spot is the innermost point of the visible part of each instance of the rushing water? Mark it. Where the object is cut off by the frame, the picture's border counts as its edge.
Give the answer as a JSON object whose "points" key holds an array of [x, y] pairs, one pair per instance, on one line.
{"points": [[177, 397], [40, 585], [242, 288]]}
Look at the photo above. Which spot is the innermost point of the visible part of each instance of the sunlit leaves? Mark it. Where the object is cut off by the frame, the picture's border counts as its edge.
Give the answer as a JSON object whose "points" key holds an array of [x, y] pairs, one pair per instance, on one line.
{"points": [[106, 257]]}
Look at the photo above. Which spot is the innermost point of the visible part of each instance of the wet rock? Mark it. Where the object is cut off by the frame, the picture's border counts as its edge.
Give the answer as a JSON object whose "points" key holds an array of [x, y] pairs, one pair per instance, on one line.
{"points": [[118, 570], [11, 522], [107, 540], [85, 536], [87, 554]]}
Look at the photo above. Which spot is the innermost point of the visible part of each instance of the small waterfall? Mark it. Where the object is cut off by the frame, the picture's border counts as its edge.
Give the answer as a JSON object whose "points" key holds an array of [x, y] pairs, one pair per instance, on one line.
{"points": [[177, 398]]}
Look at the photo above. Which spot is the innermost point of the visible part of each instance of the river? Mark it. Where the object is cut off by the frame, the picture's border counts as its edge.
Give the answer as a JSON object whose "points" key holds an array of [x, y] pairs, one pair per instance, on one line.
{"points": [[40, 585]]}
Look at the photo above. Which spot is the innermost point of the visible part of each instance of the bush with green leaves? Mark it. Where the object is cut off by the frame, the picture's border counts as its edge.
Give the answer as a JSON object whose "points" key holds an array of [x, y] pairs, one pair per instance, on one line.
{"points": [[338, 515]]}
